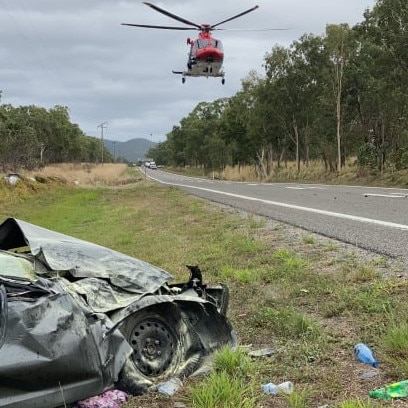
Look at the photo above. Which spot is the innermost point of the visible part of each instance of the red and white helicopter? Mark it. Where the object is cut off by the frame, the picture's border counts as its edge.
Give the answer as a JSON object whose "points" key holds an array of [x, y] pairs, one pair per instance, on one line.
{"points": [[206, 54]]}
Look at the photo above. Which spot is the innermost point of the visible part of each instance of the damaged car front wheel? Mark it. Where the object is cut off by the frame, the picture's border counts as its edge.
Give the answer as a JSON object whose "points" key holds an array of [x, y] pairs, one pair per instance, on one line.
{"points": [[163, 346]]}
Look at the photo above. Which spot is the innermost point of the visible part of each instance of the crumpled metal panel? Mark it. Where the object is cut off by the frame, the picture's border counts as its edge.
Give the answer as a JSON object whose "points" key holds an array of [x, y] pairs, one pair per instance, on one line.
{"points": [[53, 352], [81, 258], [100, 295]]}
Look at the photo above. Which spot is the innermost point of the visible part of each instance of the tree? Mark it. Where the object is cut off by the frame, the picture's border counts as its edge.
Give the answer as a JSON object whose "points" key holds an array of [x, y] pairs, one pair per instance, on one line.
{"points": [[382, 63], [340, 50]]}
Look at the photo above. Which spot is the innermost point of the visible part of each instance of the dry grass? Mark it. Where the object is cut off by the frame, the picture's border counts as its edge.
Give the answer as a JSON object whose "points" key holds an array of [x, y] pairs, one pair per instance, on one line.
{"points": [[315, 172], [68, 174], [86, 173], [246, 173]]}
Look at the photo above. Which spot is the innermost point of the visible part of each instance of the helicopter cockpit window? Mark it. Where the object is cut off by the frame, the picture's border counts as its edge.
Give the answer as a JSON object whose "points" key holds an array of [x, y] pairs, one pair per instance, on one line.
{"points": [[202, 43], [205, 43]]}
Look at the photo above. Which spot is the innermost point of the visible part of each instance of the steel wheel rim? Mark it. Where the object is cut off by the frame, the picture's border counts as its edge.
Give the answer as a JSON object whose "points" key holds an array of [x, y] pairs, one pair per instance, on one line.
{"points": [[154, 344]]}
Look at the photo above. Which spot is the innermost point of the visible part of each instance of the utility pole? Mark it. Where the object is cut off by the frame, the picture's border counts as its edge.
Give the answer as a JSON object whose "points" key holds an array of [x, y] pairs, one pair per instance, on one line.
{"points": [[103, 126]]}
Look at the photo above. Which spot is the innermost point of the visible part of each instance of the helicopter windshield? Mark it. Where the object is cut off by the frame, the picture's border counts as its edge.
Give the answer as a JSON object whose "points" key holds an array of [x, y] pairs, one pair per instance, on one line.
{"points": [[202, 43]]}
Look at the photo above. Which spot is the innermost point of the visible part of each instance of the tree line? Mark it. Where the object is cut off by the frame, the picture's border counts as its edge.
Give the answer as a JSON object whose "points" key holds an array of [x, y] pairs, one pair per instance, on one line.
{"points": [[31, 137], [325, 97]]}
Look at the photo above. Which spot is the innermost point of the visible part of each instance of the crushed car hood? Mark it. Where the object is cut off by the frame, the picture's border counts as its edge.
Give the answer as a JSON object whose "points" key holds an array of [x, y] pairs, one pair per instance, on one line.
{"points": [[82, 259]]}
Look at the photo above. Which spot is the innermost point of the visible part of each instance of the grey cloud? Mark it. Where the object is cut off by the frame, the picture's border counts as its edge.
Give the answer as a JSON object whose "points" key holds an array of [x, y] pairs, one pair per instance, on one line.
{"points": [[76, 53]]}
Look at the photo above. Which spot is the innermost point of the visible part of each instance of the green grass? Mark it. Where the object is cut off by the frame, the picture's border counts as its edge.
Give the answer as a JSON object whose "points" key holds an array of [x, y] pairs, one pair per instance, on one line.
{"points": [[223, 391], [235, 363], [298, 399], [310, 303], [309, 240]]}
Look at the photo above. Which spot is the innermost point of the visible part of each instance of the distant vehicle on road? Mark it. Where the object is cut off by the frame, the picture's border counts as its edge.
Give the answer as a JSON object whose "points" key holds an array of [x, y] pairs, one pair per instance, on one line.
{"points": [[150, 165]]}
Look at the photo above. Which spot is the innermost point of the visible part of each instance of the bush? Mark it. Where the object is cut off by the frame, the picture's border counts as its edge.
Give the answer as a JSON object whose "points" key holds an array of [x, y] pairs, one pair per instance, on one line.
{"points": [[367, 156]]}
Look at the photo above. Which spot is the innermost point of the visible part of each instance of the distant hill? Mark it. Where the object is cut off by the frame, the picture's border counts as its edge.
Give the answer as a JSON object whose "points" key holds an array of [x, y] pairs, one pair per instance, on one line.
{"points": [[132, 150]]}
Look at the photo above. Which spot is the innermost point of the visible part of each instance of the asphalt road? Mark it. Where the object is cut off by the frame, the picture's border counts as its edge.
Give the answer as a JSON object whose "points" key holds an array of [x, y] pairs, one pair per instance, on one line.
{"points": [[372, 218]]}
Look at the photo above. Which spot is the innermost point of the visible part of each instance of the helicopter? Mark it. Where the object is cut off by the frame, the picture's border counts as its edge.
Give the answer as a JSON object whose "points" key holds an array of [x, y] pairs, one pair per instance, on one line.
{"points": [[206, 55]]}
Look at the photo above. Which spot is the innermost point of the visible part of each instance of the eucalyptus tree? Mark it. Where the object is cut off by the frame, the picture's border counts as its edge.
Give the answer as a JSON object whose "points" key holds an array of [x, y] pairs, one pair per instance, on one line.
{"points": [[177, 145], [199, 133], [293, 87], [32, 136], [383, 96], [261, 121], [340, 46], [162, 153], [18, 139], [233, 129]]}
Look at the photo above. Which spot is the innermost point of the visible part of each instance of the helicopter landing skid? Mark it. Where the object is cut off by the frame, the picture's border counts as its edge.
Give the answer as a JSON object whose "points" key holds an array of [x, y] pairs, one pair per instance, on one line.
{"points": [[187, 73]]}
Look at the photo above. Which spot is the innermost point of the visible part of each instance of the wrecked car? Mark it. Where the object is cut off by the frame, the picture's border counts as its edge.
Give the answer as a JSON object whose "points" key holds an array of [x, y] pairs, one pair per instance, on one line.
{"points": [[77, 319]]}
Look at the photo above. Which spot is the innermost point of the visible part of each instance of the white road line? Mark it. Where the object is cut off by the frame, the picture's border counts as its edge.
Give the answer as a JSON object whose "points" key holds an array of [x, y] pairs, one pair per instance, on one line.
{"points": [[392, 195], [297, 207], [304, 188]]}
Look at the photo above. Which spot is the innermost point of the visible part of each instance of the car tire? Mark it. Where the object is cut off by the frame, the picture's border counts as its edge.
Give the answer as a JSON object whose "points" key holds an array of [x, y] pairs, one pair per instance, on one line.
{"points": [[164, 346]]}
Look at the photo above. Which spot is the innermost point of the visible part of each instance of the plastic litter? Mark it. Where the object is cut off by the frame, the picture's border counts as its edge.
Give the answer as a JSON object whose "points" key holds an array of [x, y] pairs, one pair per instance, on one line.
{"points": [[109, 399], [169, 387], [286, 387], [365, 355], [273, 389], [391, 391], [270, 389]]}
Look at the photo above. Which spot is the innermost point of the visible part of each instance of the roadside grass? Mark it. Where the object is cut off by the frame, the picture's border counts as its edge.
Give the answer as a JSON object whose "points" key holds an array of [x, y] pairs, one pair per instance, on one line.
{"points": [[312, 172], [308, 298], [357, 403], [224, 391], [228, 385]]}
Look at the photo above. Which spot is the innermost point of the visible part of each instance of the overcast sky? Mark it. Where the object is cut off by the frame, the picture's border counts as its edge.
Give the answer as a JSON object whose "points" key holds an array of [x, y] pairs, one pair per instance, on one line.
{"points": [[77, 54]]}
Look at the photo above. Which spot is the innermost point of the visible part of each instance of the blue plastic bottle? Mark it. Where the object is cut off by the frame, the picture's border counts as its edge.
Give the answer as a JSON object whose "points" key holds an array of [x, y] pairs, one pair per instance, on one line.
{"points": [[270, 388], [365, 355]]}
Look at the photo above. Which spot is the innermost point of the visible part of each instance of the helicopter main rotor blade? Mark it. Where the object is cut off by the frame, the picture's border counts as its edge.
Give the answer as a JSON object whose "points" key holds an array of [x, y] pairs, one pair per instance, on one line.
{"points": [[160, 27], [234, 17], [168, 14], [253, 29]]}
